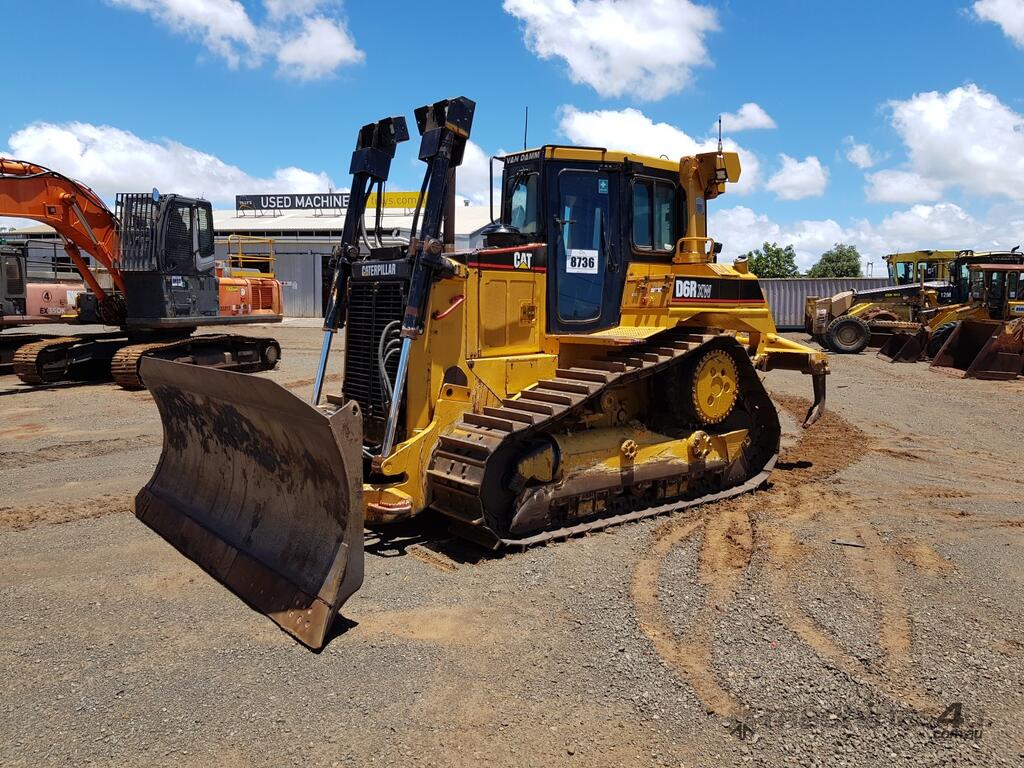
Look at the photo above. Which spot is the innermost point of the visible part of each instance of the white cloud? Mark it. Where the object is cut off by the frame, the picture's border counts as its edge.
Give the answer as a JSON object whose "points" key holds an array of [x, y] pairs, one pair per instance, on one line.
{"points": [[223, 26], [320, 49], [472, 178], [111, 160], [965, 138], [283, 9], [895, 186], [797, 179], [944, 225], [749, 117], [860, 155], [1008, 14], [645, 48], [630, 130], [306, 42]]}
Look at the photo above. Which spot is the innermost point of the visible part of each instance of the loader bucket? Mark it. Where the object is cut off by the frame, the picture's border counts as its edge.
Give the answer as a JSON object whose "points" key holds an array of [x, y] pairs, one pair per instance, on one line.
{"points": [[903, 347], [261, 490], [983, 349]]}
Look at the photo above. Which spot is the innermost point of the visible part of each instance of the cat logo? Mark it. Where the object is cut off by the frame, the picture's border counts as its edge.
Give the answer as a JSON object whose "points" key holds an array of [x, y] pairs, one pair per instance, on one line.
{"points": [[522, 260]]}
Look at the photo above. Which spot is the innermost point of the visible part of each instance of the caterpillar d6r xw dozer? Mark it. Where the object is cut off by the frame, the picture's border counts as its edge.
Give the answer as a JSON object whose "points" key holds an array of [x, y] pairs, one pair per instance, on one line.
{"points": [[591, 364]]}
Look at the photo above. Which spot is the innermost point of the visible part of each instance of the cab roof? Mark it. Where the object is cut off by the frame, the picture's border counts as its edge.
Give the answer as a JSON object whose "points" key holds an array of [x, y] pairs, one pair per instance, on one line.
{"points": [[592, 154], [998, 267]]}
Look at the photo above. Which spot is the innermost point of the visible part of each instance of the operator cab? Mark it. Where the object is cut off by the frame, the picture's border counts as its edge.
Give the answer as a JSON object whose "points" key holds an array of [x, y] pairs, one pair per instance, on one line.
{"points": [[1000, 288], [919, 266], [167, 258], [598, 211], [12, 281]]}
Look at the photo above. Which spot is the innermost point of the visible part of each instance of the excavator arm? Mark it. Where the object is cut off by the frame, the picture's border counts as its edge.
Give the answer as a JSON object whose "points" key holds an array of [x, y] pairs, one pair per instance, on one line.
{"points": [[79, 216]]}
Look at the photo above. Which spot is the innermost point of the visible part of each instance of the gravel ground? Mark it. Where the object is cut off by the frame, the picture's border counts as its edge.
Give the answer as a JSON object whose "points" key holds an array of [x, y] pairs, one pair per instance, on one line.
{"points": [[736, 634]]}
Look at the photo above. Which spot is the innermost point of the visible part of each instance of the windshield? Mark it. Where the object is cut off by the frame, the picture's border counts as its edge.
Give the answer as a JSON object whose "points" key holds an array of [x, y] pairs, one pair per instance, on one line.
{"points": [[522, 195]]}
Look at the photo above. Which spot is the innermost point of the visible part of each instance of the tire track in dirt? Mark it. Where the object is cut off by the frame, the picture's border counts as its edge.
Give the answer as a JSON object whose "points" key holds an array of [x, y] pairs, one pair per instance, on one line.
{"points": [[692, 659], [83, 449], [54, 513], [729, 540]]}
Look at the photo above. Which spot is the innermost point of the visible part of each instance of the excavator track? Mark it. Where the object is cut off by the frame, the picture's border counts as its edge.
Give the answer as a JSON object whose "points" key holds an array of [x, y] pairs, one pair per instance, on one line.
{"points": [[125, 365], [476, 456], [225, 351], [30, 359]]}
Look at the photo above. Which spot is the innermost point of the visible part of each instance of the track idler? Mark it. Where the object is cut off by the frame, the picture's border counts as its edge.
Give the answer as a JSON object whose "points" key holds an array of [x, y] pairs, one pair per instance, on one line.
{"points": [[261, 490]]}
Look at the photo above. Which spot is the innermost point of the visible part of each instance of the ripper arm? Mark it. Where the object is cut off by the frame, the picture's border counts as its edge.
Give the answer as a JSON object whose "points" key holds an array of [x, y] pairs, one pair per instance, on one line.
{"points": [[371, 164]]}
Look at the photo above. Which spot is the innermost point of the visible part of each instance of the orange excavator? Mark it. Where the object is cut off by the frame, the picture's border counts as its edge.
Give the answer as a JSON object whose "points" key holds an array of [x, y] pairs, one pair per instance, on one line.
{"points": [[26, 300], [154, 276]]}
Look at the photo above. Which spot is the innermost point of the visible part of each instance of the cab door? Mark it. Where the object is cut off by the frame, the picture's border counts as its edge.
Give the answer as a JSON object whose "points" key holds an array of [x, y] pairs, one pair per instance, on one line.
{"points": [[585, 270]]}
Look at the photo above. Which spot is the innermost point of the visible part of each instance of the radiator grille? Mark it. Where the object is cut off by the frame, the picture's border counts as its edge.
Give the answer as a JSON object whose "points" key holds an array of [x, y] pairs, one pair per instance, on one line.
{"points": [[372, 306]]}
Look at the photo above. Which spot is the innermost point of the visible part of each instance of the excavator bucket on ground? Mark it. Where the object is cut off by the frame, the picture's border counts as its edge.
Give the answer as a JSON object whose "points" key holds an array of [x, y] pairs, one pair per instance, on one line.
{"points": [[261, 490], [983, 349], [904, 347]]}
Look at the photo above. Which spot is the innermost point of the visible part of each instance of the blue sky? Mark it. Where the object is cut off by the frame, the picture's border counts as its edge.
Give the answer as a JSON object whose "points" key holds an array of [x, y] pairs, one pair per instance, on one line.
{"points": [[220, 97]]}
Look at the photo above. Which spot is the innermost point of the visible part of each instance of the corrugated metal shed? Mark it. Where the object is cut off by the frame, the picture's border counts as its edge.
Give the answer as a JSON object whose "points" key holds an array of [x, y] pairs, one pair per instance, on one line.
{"points": [[786, 296]]}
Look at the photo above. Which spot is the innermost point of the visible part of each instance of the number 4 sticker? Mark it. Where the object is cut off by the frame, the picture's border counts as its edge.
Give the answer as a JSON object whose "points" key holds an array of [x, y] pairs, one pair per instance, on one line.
{"points": [[581, 261]]}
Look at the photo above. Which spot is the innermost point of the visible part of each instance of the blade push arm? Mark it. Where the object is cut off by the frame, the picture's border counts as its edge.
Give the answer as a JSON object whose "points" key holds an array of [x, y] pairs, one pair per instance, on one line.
{"points": [[444, 130], [371, 164]]}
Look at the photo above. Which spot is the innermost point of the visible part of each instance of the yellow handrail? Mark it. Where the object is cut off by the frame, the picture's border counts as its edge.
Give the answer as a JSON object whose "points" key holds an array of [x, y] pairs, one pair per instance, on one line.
{"points": [[250, 264]]}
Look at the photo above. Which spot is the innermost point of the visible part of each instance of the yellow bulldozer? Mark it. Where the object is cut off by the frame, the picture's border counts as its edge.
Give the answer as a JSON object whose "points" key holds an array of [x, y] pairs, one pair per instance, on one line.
{"points": [[591, 364]]}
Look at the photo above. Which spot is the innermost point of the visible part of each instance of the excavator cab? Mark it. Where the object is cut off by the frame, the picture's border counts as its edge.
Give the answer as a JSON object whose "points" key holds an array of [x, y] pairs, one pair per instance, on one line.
{"points": [[167, 259], [12, 283], [592, 363]]}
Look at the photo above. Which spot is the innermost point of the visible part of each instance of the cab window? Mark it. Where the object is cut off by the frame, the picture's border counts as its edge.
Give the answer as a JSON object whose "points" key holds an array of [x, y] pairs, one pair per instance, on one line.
{"points": [[523, 203], [903, 271], [657, 215], [928, 270], [583, 216]]}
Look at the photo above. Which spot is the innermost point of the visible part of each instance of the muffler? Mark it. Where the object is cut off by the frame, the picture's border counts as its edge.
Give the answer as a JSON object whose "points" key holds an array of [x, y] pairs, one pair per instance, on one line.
{"points": [[261, 490]]}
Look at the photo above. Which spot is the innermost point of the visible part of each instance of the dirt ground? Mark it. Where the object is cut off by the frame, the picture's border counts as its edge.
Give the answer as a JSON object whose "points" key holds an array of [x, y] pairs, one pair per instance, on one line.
{"points": [[733, 634]]}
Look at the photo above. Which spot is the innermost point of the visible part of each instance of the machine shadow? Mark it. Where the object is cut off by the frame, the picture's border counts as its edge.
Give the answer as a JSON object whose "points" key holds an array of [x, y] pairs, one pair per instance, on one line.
{"points": [[428, 530]]}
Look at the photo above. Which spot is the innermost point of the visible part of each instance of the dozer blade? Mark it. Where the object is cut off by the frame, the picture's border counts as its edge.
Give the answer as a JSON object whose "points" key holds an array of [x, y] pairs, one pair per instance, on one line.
{"points": [[903, 347], [261, 490], [983, 349]]}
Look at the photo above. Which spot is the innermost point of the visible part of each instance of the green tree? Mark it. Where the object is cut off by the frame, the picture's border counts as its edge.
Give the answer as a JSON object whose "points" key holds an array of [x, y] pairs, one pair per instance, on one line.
{"points": [[772, 261], [840, 260]]}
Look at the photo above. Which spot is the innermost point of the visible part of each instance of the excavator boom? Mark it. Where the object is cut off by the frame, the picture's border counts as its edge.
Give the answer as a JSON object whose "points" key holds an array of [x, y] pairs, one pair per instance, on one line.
{"points": [[79, 216]]}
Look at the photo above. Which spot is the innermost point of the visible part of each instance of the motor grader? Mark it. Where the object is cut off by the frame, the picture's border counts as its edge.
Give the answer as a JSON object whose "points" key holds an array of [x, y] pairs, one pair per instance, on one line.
{"points": [[850, 321], [591, 364]]}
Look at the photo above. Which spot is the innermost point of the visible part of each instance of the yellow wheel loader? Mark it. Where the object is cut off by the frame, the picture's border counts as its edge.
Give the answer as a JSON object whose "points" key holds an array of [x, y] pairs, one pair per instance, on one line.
{"points": [[592, 364], [988, 341], [910, 342]]}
